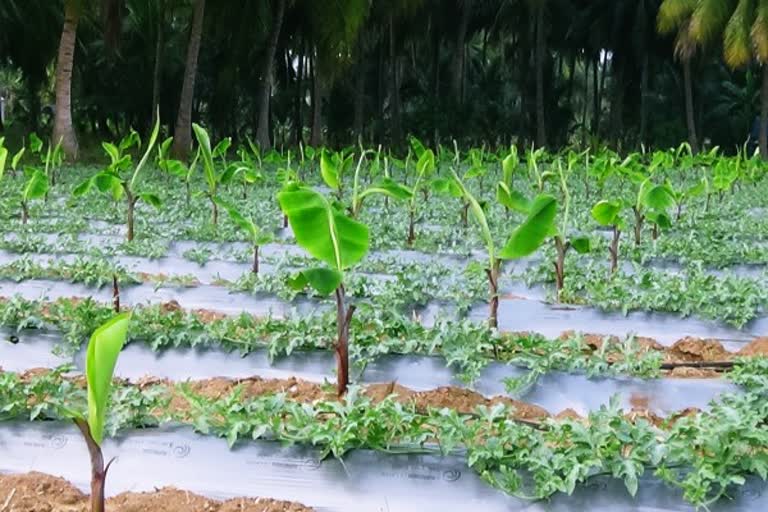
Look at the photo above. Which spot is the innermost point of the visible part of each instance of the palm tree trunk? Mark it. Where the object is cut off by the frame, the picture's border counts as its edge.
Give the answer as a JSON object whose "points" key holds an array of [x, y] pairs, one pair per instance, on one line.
{"points": [[458, 54], [394, 97], [265, 84], [644, 98], [157, 74], [315, 138], [541, 130], [182, 135], [63, 130], [689, 113], [764, 114], [359, 104], [299, 101]]}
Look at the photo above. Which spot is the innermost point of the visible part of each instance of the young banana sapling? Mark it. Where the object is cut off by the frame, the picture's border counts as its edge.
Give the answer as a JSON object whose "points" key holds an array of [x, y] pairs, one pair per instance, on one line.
{"points": [[425, 166], [115, 181], [212, 179], [103, 349], [338, 241], [256, 235], [608, 213], [386, 187], [525, 239]]}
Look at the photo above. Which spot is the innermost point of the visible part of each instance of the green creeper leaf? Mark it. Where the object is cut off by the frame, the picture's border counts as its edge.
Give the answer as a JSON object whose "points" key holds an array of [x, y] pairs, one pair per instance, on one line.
{"points": [[151, 199], [512, 199], [322, 230], [606, 213], [324, 280], [527, 237], [329, 171], [103, 349], [581, 244], [36, 187]]}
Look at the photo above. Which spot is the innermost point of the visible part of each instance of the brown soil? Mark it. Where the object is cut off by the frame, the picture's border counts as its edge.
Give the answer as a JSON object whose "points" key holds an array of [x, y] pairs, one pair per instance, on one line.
{"points": [[696, 350], [568, 414], [758, 347], [686, 372], [38, 492]]}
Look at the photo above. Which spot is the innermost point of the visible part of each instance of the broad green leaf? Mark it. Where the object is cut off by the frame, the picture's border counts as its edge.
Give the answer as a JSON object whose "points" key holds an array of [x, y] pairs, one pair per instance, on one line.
{"points": [[446, 186], [35, 144], [480, 218], [112, 151], [36, 187], [324, 280], [512, 199], [222, 147], [83, 188], [151, 199], [150, 146], [426, 163], [659, 197], [103, 349], [606, 213], [581, 244], [177, 168], [3, 158], [105, 181], [17, 158], [246, 225], [204, 143], [389, 187], [329, 170], [527, 237], [322, 230], [508, 166], [417, 146]]}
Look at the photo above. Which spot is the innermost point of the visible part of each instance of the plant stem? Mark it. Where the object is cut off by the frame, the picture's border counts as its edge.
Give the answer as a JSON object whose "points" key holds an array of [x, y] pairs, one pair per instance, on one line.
{"points": [[614, 249], [98, 470], [115, 294], [343, 319], [24, 212], [255, 259], [562, 248]]}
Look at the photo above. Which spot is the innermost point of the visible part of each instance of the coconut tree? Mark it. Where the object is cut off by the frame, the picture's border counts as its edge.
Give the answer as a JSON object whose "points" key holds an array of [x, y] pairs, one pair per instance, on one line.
{"points": [[265, 84], [676, 15], [182, 135]]}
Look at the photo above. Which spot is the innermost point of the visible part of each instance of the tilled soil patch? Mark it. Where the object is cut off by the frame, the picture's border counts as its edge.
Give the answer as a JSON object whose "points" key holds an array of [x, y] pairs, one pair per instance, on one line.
{"points": [[39, 492]]}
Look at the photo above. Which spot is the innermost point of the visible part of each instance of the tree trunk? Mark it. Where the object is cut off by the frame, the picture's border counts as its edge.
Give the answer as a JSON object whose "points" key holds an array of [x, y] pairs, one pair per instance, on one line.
{"points": [[182, 135], [561, 248], [764, 115], [644, 99], [689, 113], [63, 129], [596, 95], [265, 84], [359, 104], [394, 96], [343, 319], [639, 218], [614, 249], [541, 130], [315, 138], [435, 84], [157, 74], [298, 118], [457, 74]]}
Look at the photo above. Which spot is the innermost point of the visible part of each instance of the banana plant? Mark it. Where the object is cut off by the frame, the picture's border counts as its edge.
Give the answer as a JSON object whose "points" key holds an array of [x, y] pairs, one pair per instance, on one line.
{"points": [[425, 166], [562, 239], [386, 187], [103, 350], [36, 187], [117, 181], [338, 242], [651, 203], [608, 213], [256, 235], [683, 195], [333, 168], [525, 239], [4, 153], [182, 171], [212, 179]]}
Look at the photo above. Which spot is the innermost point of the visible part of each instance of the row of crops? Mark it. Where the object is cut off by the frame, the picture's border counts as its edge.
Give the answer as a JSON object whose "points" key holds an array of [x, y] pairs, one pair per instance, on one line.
{"points": [[352, 330]]}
